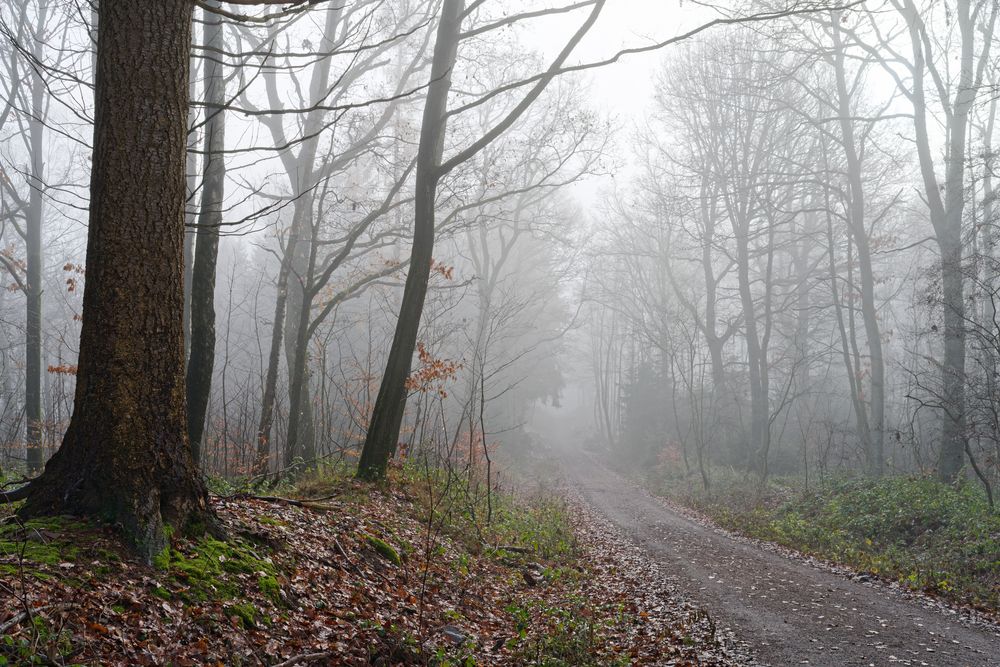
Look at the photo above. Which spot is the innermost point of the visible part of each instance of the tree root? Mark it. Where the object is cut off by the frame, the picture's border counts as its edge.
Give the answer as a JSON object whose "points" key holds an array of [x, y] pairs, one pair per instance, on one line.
{"points": [[21, 493]]}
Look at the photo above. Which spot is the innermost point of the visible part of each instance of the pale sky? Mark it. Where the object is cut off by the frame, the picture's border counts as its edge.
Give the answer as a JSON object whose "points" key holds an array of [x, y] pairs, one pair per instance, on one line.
{"points": [[623, 89]]}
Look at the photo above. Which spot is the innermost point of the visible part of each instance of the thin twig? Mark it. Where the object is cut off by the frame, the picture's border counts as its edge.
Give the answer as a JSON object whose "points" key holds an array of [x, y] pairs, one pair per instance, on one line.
{"points": [[305, 657]]}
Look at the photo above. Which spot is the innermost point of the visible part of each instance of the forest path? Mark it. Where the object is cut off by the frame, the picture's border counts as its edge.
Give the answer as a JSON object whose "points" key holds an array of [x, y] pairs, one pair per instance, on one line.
{"points": [[789, 611]]}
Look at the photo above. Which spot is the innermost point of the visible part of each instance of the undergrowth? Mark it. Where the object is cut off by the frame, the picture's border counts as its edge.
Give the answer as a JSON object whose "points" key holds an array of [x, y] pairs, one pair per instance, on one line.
{"points": [[442, 521], [537, 523], [926, 535]]}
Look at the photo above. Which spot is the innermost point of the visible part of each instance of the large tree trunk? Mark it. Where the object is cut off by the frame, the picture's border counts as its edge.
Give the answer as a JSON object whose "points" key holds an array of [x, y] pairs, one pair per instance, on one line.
{"points": [[206, 254], [387, 415], [125, 457]]}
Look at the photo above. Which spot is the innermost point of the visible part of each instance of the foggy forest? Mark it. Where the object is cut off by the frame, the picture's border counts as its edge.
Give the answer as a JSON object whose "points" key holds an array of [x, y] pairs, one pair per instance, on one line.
{"points": [[499, 332]]}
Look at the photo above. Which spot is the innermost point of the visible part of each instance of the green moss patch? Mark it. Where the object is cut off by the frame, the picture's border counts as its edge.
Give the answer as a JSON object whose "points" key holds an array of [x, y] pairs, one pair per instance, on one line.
{"points": [[42, 543], [246, 614], [270, 521], [385, 550], [210, 569]]}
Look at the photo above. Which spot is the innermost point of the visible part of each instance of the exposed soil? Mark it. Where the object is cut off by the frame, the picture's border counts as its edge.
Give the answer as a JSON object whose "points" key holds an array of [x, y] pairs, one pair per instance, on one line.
{"points": [[788, 610]]}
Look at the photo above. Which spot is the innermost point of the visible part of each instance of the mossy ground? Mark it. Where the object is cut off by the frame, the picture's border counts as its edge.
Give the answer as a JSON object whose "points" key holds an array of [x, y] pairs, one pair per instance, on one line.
{"points": [[209, 569], [48, 547]]}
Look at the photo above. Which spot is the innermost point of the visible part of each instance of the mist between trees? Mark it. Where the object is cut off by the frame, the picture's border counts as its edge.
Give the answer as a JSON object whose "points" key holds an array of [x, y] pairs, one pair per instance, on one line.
{"points": [[327, 232]]}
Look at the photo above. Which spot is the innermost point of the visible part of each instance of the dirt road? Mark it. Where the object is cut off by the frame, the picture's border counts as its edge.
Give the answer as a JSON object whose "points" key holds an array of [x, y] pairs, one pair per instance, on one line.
{"points": [[789, 611]]}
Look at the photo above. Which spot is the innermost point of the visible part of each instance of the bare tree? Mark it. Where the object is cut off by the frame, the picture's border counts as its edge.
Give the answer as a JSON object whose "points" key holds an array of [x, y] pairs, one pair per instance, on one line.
{"points": [[945, 197], [387, 415]]}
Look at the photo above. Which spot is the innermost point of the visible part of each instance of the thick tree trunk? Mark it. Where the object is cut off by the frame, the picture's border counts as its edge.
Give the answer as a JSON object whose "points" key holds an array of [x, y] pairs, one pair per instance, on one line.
{"points": [[206, 255], [951, 456], [387, 415], [125, 457]]}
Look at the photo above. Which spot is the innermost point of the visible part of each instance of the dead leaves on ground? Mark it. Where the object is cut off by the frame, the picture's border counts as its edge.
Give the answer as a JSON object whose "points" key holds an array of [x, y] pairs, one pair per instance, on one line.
{"points": [[341, 600]]}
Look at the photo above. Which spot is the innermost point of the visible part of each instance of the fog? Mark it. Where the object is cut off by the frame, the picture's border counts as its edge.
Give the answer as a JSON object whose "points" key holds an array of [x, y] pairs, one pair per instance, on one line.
{"points": [[768, 247]]}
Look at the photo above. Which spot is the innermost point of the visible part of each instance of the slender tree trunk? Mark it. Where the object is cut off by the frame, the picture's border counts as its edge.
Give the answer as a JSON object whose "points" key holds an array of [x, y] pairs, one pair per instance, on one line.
{"points": [[875, 427], [188, 265], [273, 364], [303, 177], [390, 405], [946, 217], [853, 381], [125, 456], [190, 217], [33, 294], [202, 359], [387, 416], [759, 411], [301, 442], [296, 311], [716, 343]]}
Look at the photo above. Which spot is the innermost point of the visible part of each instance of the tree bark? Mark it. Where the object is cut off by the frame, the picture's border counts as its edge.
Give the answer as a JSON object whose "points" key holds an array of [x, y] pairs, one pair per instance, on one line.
{"points": [[125, 457], [206, 254]]}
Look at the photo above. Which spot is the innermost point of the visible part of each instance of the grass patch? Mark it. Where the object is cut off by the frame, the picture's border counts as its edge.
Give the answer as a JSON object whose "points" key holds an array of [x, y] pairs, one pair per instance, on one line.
{"points": [[539, 523], [575, 634], [47, 541]]}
